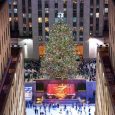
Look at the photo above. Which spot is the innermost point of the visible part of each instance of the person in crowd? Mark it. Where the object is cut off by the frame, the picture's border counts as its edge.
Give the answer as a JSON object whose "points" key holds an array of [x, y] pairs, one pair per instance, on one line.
{"points": [[35, 111], [64, 107]]}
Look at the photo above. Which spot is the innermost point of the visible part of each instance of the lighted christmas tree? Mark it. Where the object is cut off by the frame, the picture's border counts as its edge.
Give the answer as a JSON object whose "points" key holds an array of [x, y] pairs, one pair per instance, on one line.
{"points": [[60, 58]]}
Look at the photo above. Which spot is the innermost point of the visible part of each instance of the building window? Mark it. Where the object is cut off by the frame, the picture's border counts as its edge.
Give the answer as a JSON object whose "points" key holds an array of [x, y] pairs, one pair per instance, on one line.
{"points": [[74, 24], [106, 10], [10, 19], [81, 23], [97, 15], [91, 20], [74, 19], [81, 39], [29, 10], [46, 14], [91, 10], [81, 33], [46, 10], [91, 28], [56, 5], [23, 10], [91, 2], [40, 38], [81, 28], [30, 28], [56, 13], [74, 13], [46, 19], [9, 6], [46, 33], [65, 14], [97, 2], [46, 4], [15, 10], [40, 29], [39, 20], [15, 6], [65, 4], [74, 33], [97, 24], [39, 4], [30, 24], [24, 28], [24, 20], [81, 9], [97, 10], [29, 3], [15, 15], [47, 29], [47, 24], [24, 15], [39, 13], [29, 15], [74, 5], [23, 2]]}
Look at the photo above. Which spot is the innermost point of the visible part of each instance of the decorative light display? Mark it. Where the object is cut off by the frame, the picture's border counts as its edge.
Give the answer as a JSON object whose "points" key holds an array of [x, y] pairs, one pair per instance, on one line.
{"points": [[60, 58], [61, 90]]}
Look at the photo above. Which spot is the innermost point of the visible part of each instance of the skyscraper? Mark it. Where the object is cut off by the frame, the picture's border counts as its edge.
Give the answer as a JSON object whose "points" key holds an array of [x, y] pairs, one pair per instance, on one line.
{"points": [[34, 18], [11, 69], [105, 91]]}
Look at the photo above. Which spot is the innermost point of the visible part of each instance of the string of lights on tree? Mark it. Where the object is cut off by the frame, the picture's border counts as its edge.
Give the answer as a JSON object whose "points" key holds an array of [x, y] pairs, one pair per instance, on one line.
{"points": [[60, 58]]}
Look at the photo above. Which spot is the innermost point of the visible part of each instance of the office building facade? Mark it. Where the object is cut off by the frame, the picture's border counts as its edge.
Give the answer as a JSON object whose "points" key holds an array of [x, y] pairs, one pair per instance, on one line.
{"points": [[4, 38], [112, 31], [105, 83], [86, 18], [12, 100], [105, 89]]}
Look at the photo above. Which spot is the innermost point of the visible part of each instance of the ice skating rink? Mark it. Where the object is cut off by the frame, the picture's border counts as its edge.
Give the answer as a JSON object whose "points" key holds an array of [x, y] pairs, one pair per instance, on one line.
{"points": [[69, 110]]}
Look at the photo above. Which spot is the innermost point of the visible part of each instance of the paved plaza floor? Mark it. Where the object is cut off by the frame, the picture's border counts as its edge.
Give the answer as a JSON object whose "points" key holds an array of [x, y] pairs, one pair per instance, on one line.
{"points": [[84, 110]]}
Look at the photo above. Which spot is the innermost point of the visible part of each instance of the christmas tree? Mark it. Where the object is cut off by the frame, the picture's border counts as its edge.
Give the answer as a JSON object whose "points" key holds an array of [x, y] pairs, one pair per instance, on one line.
{"points": [[60, 58]]}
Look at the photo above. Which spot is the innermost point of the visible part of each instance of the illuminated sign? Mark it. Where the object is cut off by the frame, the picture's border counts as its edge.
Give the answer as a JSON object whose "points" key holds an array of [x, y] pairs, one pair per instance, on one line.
{"points": [[61, 90], [28, 93]]}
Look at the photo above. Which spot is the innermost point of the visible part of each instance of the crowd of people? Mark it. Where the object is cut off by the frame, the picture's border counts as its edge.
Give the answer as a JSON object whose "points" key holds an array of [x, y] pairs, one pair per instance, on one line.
{"points": [[87, 69], [31, 69], [65, 109]]}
